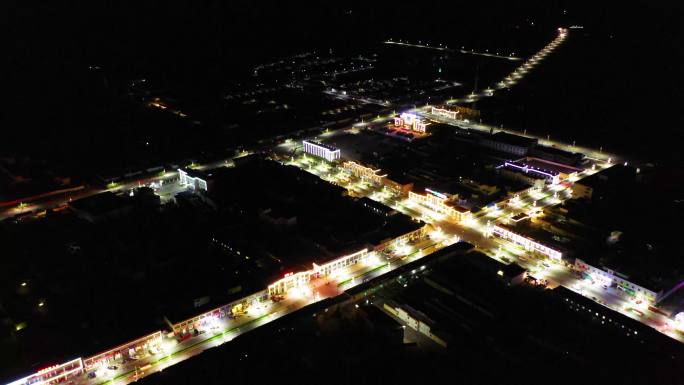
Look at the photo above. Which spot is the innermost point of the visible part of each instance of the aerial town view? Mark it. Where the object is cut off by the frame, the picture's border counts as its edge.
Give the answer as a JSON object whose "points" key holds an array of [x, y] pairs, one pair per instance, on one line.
{"points": [[341, 193]]}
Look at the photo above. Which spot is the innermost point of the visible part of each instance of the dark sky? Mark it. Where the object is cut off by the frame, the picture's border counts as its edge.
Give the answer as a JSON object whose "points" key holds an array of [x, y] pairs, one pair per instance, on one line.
{"points": [[51, 44]]}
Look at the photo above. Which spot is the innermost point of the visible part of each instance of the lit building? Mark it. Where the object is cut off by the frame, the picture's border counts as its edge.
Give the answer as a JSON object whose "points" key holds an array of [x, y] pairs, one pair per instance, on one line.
{"points": [[192, 179], [528, 243], [229, 310], [440, 203], [444, 113], [411, 122], [56, 374], [202, 179], [417, 321], [129, 349], [365, 173], [300, 279], [531, 169], [324, 151], [612, 278]]}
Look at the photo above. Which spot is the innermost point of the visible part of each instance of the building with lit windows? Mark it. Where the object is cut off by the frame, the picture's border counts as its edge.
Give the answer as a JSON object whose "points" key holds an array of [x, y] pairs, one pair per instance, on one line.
{"points": [[131, 349], [411, 122], [365, 173], [525, 241], [444, 113], [325, 267], [440, 203], [321, 150], [56, 374], [530, 169], [631, 286]]}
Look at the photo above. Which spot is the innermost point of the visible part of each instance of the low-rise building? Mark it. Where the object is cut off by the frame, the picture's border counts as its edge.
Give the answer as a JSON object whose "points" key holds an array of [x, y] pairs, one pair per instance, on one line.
{"points": [[632, 286], [531, 169], [416, 320], [322, 150], [509, 143], [440, 203], [101, 207], [365, 173], [528, 242]]}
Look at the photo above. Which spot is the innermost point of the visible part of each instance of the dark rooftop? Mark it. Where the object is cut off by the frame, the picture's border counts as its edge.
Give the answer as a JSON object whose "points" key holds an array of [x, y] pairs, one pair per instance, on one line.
{"points": [[100, 203], [516, 140]]}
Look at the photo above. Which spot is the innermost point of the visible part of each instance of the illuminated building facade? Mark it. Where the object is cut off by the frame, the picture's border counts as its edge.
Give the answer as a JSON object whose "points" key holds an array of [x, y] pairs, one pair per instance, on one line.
{"points": [[441, 203], [132, 348], [365, 173], [411, 122], [190, 179], [528, 243], [609, 277], [444, 113], [524, 170], [551, 172], [229, 310], [300, 279], [56, 374], [324, 151]]}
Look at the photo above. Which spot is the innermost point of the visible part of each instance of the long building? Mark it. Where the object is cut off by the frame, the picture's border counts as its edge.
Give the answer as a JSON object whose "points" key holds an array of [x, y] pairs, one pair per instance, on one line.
{"points": [[512, 144], [330, 267], [322, 150], [444, 113], [528, 243], [440, 203], [365, 173], [628, 285], [411, 122]]}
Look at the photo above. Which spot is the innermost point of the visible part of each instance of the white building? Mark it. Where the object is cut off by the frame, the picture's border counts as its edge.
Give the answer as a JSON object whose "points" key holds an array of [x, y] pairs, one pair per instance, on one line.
{"points": [[609, 277], [444, 112], [411, 122], [188, 178], [324, 151], [528, 243]]}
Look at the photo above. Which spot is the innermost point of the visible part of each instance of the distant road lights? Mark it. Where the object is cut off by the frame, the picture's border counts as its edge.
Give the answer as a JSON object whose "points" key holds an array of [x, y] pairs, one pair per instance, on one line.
{"points": [[23, 284], [41, 303]]}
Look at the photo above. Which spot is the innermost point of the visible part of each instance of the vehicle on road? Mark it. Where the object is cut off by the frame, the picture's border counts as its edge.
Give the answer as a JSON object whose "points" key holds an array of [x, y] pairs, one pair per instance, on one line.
{"points": [[92, 375], [112, 367]]}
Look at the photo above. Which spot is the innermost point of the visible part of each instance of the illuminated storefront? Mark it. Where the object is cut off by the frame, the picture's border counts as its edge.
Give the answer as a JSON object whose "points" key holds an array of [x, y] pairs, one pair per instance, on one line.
{"points": [[609, 277], [444, 113], [141, 346], [528, 243], [56, 374], [440, 203]]}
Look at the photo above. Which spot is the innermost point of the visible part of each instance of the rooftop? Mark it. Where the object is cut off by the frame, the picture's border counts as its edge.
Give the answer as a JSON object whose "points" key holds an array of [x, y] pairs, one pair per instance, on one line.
{"points": [[515, 140], [319, 144]]}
